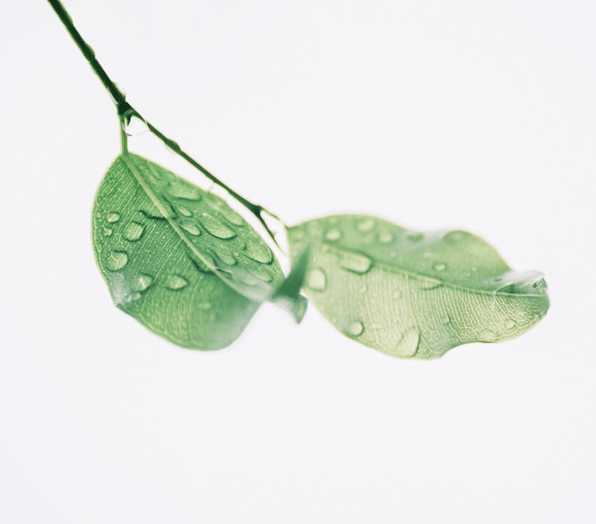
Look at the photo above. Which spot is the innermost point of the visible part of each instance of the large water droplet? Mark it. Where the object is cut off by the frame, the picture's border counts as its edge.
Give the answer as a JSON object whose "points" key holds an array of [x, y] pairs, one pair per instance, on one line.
{"points": [[333, 234], [181, 189], [439, 267], [355, 262], [366, 225], [192, 229], [355, 328], [408, 344], [259, 252], [385, 237], [217, 228], [117, 260], [175, 282], [133, 231], [113, 217], [316, 279], [143, 282]]}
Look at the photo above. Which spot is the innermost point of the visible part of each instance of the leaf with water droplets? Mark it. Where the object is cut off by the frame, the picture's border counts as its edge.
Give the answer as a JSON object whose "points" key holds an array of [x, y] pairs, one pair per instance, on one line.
{"points": [[412, 294], [180, 260]]}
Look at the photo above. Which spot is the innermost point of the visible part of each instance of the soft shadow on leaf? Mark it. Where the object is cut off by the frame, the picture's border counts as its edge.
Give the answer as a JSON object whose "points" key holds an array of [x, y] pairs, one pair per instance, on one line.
{"points": [[179, 259], [411, 294]]}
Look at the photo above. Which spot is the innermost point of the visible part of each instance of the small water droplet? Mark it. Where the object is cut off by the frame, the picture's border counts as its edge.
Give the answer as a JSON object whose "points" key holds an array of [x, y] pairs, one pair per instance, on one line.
{"points": [[117, 260], [205, 306], [107, 232], [355, 262], [396, 294], [363, 289], [143, 282], [439, 267], [333, 234], [183, 211], [355, 328], [510, 324], [408, 344], [175, 282], [226, 257], [366, 225], [415, 237], [133, 231], [217, 228], [259, 252], [113, 217], [135, 296], [316, 279], [118, 87], [454, 236], [136, 126], [192, 229], [385, 237], [446, 319], [182, 189]]}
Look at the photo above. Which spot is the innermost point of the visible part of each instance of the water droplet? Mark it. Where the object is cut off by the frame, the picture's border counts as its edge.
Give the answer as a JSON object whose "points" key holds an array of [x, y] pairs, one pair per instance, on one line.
{"points": [[333, 234], [107, 232], [385, 237], [396, 294], [226, 257], [117, 260], [355, 262], [143, 282], [175, 282], [454, 236], [113, 217], [135, 296], [205, 306], [408, 344], [172, 147], [217, 228], [355, 328], [192, 229], [366, 225], [183, 211], [415, 237], [231, 216], [446, 319], [363, 288], [133, 231], [136, 126], [182, 189], [439, 267], [119, 88], [316, 279], [259, 252], [510, 324], [261, 272]]}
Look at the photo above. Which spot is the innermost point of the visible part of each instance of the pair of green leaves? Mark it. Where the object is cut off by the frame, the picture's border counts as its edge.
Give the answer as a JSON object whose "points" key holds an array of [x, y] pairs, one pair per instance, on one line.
{"points": [[192, 270]]}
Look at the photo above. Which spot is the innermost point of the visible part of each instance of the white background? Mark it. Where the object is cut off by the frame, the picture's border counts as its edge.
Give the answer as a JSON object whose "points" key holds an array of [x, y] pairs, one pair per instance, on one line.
{"points": [[433, 114]]}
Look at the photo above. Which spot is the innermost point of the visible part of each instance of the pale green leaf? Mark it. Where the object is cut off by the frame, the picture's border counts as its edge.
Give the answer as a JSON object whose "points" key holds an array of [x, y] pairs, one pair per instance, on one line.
{"points": [[412, 294], [179, 259]]}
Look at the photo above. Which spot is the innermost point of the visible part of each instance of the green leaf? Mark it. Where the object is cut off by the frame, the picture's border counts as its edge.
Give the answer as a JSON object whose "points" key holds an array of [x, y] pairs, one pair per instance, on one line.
{"points": [[412, 294], [179, 259]]}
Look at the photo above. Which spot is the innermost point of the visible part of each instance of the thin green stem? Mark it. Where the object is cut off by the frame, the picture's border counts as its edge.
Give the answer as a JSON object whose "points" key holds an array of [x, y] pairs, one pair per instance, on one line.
{"points": [[126, 112]]}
